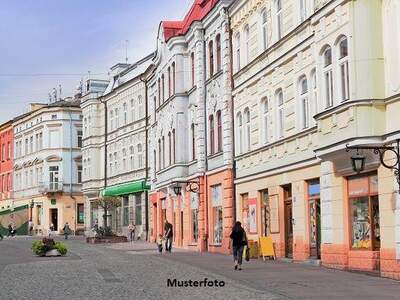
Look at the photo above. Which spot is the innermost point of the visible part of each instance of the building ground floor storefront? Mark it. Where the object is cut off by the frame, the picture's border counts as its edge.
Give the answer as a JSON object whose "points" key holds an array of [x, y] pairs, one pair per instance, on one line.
{"points": [[56, 209], [200, 210], [132, 209], [328, 213]]}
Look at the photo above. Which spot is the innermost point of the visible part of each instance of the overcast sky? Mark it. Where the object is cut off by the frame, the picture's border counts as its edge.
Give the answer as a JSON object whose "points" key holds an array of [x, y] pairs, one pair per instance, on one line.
{"points": [[67, 38]]}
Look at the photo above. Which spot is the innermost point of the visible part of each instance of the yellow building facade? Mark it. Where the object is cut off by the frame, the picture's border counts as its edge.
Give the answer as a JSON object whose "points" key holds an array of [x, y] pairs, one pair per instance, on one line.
{"points": [[311, 77]]}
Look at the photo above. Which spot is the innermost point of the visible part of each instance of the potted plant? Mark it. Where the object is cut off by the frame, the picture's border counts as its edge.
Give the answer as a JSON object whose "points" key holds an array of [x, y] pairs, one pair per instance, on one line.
{"points": [[48, 247]]}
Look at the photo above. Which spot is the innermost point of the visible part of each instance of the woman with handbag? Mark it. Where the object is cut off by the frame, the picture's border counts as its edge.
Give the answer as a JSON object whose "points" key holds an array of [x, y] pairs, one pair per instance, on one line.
{"points": [[239, 240]]}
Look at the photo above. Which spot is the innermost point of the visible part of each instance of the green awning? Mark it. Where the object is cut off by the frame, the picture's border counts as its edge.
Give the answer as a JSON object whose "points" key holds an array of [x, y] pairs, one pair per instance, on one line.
{"points": [[126, 189]]}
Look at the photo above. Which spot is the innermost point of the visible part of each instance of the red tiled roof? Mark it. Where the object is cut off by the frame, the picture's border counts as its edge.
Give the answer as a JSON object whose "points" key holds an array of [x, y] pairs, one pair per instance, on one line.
{"points": [[197, 12]]}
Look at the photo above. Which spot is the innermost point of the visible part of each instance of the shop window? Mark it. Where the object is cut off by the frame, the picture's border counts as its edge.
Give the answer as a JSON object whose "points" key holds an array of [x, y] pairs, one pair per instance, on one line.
{"points": [[138, 209], [314, 207], [194, 205], [216, 194], [81, 214], [364, 210], [125, 211], [265, 213], [245, 210]]}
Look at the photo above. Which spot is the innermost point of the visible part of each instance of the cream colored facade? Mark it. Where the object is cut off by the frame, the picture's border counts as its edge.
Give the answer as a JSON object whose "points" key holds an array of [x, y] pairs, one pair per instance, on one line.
{"points": [[309, 79]]}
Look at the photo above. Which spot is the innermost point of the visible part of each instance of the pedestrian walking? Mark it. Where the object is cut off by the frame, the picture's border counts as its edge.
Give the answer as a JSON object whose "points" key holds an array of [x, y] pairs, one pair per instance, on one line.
{"points": [[159, 243], [66, 230], [11, 231], [238, 241], [30, 227], [51, 229], [132, 228], [169, 234]]}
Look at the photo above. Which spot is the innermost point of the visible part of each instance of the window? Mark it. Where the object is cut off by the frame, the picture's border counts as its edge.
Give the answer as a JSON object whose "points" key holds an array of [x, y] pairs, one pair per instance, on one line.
{"points": [[132, 162], [303, 10], [211, 58], [54, 138], [314, 91], [79, 174], [138, 209], [219, 58], [79, 135], [328, 77], [162, 88], [219, 131], [3, 151], [125, 211], [163, 152], [192, 68], [159, 92], [212, 136], [125, 107], [264, 111], [154, 164], [133, 116], [9, 150], [159, 154], [239, 133], [237, 51], [54, 178], [279, 19], [247, 129], [26, 149], [81, 213], [279, 100], [140, 155], [169, 149], [193, 139], [112, 120], [141, 106], [364, 210], [173, 78], [169, 82], [265, 214], [116, 118], [194, 205], [173, 146], [124, 156], [216, 198], [30, 145], [264, 29], [305, 109], [155, 107], [54, 117], [247, 43], [344, 69]]}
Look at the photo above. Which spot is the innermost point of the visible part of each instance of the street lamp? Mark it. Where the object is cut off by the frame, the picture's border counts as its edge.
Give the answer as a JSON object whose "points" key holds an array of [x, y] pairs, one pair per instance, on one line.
{"points": [[31, 205], [358, 161], [177, 189], [192, 186]]}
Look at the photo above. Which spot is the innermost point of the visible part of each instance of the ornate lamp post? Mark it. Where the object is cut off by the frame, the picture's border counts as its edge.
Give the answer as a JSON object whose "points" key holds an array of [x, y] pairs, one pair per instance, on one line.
{"points": [[358, 160]]}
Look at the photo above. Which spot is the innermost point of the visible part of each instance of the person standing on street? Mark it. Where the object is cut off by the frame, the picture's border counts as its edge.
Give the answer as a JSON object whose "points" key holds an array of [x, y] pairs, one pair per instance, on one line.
{"points": [[66, 230], [30, 227], [11, 231], [168, 228], [239, 240], [51, 229], [132, 228]]}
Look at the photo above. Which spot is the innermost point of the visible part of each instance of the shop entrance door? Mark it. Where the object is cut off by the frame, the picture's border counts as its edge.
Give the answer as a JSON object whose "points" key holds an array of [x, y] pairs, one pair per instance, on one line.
{"points": [[181, 221], [54, 218], [288, 221], [315, 228]]}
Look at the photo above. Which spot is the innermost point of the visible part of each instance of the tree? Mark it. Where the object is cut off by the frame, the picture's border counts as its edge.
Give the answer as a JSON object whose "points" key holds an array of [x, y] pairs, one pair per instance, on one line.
{"points": [[107, 203]]}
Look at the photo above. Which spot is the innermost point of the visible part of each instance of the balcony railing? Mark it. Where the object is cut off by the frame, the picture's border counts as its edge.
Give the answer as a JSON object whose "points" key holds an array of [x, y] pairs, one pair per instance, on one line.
{"points": [[50, 187]]}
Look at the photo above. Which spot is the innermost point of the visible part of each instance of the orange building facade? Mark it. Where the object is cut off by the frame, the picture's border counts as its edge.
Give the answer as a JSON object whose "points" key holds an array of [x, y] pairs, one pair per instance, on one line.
{"points": [[6, 161]]}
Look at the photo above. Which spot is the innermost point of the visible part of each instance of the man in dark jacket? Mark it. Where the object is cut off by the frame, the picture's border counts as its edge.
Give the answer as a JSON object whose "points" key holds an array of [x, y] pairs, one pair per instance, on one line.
{"points": [[169, 234], [239, 240]]}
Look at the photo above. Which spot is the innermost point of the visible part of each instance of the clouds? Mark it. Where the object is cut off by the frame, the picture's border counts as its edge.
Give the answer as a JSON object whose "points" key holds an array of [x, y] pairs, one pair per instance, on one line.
{"points": [[71, 37]]}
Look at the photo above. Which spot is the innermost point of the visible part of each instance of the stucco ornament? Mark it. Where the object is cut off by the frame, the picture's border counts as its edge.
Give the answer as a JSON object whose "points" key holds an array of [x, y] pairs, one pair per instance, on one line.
{"points": [[214, 94]]}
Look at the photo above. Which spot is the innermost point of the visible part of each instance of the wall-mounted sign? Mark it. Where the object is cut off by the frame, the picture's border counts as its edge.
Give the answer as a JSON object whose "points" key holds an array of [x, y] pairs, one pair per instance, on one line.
{"points": [[53, 201]]}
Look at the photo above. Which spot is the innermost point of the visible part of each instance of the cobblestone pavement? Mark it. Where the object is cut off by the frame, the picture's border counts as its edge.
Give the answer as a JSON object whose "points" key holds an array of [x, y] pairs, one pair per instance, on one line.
{"points": [[137, 271]]}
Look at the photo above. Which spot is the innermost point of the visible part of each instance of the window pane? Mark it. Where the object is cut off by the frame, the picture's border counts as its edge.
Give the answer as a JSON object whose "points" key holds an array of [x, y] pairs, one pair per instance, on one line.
{"points": [[361, 236], [218, 225]]}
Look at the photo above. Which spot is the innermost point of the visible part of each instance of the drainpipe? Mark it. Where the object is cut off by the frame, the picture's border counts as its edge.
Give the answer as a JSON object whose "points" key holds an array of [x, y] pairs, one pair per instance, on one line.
{"points": [[205, 136], [232, 118], [146, 192], [70, 170]]}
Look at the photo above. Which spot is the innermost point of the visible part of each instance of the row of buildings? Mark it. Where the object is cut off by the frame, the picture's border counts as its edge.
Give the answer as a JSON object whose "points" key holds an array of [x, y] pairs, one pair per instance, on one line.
{"points": [[244, 111]]}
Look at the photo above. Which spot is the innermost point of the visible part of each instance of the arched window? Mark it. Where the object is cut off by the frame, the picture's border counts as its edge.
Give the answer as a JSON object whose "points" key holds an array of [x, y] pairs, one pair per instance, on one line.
{"points": [[211, 57], [305, 107], [193, 140], [219, 131], [314, 105], [173, 146], [344, 69], [212, 136], [239, 133], [163, 151], [279, 19], [219, 58], [159, 154], [162, 88], [169, 149], [169, 81], [173, 78], [247, 43], [264, 28], [247, 129], [237, 51], [141, 107], [328, 76], [140, 155], [303, 10], [265, 119], [281, 120], [125, 107], [193, 69], [133, 117]]}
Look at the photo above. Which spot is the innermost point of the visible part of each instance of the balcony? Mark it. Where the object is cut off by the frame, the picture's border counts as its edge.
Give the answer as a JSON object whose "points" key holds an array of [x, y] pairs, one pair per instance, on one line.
{"points": [[50, 187]]}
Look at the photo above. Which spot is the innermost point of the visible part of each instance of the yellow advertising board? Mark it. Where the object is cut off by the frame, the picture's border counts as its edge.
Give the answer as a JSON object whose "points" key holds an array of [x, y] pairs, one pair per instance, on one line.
{"points": [[267, 247]]}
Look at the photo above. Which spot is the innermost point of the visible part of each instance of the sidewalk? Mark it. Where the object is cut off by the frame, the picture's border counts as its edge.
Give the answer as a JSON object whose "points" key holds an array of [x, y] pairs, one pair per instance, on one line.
{"points": [[288, 280]]}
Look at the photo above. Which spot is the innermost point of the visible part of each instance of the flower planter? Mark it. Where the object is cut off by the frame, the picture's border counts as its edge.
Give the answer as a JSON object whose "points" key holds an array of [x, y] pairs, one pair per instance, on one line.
{"points": [[107, 240]]}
